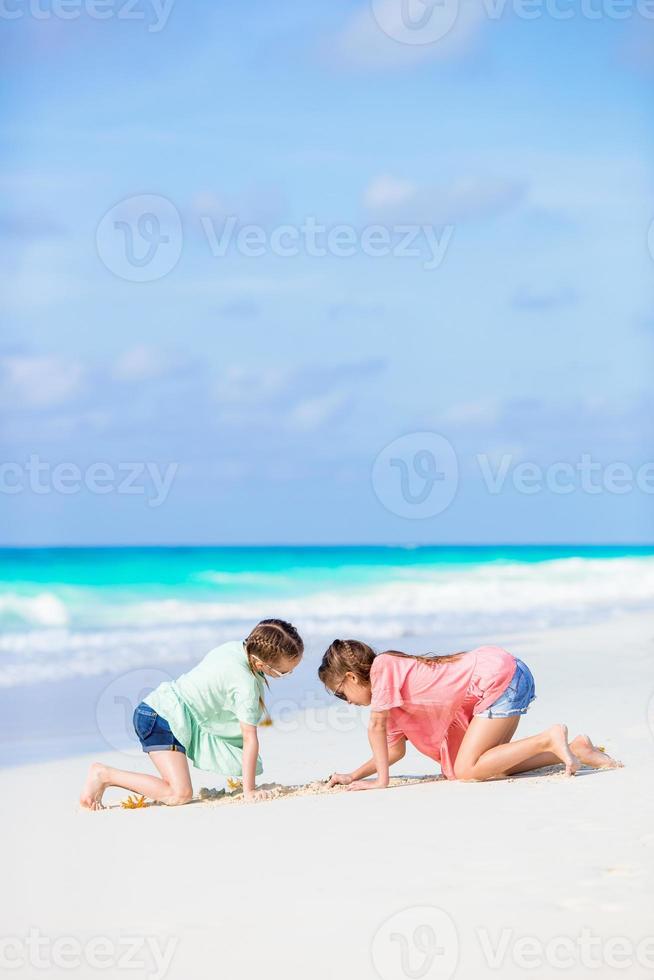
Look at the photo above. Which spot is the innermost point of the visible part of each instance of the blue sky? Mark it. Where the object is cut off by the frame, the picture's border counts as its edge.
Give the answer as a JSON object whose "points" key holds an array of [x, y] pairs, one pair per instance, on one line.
{"points": [[271, 384]]}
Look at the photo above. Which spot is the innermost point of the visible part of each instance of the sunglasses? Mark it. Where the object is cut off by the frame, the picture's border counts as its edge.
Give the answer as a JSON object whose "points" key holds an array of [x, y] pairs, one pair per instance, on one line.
{"points": [[277, 673], [339, 694]]}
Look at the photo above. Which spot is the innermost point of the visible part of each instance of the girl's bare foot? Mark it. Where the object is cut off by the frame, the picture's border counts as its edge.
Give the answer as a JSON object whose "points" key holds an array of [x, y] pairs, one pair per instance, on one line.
{"points": [[94, 787], [591, 755], [560, 747]]}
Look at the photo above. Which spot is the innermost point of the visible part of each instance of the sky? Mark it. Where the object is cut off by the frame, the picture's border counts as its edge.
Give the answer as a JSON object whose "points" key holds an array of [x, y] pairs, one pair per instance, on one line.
{"points": [[188, 358]]}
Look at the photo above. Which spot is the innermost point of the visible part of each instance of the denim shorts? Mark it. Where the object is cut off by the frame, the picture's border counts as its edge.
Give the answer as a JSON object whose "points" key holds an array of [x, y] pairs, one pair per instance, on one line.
{"points": [[154, 731], [517, 697]]}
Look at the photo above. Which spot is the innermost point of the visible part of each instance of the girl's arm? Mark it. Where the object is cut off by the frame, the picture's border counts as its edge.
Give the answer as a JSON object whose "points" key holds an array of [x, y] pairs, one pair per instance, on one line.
{"points": [[250, 754], [379, 745], [395, 752]]}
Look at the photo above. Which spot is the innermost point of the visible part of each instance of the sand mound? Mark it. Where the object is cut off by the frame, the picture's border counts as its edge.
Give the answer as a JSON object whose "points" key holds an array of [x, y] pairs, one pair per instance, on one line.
{"points": [[222, 797]]}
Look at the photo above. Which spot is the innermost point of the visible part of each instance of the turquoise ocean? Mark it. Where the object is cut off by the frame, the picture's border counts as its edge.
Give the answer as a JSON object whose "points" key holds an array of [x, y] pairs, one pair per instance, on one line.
{"points": [[86, 631]]}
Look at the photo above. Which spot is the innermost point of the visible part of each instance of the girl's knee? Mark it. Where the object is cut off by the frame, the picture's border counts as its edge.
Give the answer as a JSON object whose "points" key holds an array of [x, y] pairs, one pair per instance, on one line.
{"points": [[178, 793], [179, 797], [464, 770]]}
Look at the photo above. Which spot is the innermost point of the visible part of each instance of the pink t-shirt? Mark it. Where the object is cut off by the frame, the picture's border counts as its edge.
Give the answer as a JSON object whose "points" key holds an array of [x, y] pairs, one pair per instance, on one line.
{"points": [[432, 704]]}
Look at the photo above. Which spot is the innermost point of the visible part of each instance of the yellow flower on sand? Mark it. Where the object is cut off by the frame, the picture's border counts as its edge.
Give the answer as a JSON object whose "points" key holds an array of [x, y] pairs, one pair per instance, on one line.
{"points": [[233, 785]]}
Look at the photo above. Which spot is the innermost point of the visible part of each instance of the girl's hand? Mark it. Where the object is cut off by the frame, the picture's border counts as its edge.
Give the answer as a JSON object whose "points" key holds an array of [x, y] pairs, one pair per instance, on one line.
{"points": [[340, 779], [258, 794], [368, 784]]}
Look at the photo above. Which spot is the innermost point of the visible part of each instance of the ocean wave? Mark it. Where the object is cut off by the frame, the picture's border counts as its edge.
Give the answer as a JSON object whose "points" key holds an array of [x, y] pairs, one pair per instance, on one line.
{"points": [[586, 584], [60, 654], [445, 605], [43, 609], [241, 578]]}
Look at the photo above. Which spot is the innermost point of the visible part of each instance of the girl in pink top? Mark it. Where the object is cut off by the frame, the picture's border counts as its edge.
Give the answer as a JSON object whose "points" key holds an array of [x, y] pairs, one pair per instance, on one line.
{"points": [[461, 710]]}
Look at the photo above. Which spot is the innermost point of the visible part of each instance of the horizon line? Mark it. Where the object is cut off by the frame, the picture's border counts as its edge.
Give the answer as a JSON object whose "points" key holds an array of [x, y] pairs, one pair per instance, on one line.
{"points": [[409, 545]]}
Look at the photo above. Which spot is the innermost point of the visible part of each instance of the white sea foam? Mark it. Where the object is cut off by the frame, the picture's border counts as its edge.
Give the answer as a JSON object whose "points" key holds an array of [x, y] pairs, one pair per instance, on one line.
{"points": [[54, 655], [563, 584], [491, 599], [43, 609]]}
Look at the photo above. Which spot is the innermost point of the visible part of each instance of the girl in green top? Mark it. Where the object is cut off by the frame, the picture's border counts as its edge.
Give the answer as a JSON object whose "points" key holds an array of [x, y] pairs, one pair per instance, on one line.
{"points": [[209, 715]]}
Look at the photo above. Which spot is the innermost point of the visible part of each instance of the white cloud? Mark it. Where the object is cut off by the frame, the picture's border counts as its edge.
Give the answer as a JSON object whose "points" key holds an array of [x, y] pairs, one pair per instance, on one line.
{"points": [[37, 382], [180, 408], [313, 413], [143, 363], [296, 401], [561, 427], [261, 204], [472, 413], [242, 387], [387, 191], [395, 200]]}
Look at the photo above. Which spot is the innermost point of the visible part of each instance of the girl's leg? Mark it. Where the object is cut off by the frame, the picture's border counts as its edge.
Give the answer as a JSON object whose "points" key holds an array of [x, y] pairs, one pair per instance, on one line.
{"points": [[173, 788], [591, 755], [582, 748], [487, 752]]}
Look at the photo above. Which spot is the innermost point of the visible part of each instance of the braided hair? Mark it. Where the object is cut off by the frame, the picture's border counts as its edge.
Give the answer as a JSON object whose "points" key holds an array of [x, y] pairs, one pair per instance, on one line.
{"points": [[353, 656], [272, 641], [343, 656]]}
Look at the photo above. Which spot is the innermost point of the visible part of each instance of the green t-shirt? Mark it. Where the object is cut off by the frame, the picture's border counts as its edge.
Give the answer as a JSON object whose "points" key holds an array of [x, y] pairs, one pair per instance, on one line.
{"points": [[205, 707]]}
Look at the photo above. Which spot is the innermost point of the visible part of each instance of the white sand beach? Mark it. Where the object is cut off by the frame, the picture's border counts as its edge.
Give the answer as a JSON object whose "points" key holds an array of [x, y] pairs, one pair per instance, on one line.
{"points": [[536, 876]]}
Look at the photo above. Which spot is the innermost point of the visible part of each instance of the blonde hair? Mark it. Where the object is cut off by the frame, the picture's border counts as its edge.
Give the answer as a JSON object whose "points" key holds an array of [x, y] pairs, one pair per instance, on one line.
{"points": [[272, 642]]}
